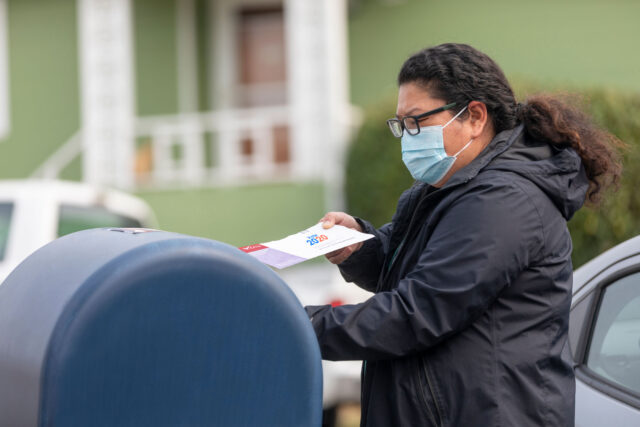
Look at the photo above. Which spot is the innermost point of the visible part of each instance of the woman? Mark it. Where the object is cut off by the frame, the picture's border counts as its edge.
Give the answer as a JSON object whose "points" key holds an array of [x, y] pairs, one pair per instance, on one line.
{"points": [[472, 276]]}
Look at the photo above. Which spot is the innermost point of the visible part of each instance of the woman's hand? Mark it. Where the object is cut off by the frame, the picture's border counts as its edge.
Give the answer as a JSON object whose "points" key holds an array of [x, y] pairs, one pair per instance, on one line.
{"points": [[340, 218]]}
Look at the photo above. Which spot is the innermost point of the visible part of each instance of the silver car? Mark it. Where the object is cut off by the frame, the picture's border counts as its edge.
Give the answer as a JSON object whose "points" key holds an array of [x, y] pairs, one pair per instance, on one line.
{"points": [[604, 335]]}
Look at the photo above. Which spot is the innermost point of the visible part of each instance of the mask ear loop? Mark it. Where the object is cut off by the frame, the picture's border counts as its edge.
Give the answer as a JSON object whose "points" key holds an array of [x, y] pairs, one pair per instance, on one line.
{"points": [[454, 117], [468, 143], [463, 148]]}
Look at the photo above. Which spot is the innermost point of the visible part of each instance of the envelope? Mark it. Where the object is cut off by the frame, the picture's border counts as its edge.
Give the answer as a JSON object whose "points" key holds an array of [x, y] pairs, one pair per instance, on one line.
{"points": [[305, 245]]}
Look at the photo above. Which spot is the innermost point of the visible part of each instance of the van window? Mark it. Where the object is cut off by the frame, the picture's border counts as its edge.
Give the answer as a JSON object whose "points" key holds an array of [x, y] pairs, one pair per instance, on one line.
{"points": [[6, 209], [75, 218]]}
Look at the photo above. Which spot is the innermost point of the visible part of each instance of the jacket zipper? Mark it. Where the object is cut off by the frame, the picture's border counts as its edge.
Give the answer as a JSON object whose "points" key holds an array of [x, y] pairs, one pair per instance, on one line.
{"points": [[426, 402], [384, 274], [435, 401], [364, 409]]}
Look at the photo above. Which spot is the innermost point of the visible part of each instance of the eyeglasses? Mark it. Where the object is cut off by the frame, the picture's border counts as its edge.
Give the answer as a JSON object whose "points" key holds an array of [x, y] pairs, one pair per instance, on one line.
{"points": [[412, 123]]}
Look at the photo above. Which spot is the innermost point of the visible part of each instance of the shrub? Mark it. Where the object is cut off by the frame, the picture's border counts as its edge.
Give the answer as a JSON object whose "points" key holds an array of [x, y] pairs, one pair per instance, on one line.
{"points": [[376, 176]]}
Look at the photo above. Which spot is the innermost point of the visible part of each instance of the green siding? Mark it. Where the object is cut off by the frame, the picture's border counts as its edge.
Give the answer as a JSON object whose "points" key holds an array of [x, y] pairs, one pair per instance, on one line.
{"points": [[155, 56], [204, 47], [239, 216], [43, 68], [585, 42], [573, 42], [73, 171]]}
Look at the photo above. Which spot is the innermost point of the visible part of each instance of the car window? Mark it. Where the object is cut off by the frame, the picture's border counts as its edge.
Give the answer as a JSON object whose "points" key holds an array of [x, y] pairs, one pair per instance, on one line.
{"points": [[614, 351], [75, 218], [6, 209]]}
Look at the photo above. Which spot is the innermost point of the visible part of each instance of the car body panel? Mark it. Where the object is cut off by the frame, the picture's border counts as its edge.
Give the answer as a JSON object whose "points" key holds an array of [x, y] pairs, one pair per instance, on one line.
{"points": [[600, 402], [585, 275], [594, 408]]}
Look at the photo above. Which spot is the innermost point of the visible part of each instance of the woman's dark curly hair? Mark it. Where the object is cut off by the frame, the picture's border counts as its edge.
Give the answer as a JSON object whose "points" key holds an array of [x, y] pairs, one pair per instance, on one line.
{"points": [[459, 73]]}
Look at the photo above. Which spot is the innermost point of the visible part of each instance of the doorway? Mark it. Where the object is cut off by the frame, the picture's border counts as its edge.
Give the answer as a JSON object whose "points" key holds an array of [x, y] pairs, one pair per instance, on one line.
{"points": [[262, 77]]}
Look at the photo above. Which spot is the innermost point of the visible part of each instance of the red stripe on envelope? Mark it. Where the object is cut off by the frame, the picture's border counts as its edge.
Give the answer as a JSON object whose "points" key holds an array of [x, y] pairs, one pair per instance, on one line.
{"points": [[252, 248]]}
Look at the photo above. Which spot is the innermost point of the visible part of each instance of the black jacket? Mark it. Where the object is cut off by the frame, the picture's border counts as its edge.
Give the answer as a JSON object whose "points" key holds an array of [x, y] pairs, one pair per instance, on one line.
{"points": [[468, 326]]}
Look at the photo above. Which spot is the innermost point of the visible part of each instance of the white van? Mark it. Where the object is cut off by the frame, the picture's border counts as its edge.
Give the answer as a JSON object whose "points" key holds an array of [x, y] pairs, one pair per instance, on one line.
{"points": [[33, 213]]}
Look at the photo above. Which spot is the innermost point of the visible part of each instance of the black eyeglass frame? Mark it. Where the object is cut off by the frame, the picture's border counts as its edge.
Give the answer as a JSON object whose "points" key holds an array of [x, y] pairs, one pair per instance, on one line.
{"points": [[416, 120]]}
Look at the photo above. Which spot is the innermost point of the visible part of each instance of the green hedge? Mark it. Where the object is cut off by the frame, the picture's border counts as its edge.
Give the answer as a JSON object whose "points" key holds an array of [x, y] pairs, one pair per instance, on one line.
{"points": [[376, 175]]}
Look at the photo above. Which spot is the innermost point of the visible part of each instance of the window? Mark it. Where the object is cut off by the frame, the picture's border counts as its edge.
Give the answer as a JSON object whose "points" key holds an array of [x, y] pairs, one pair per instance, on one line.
{"points": [[614, 351], [6, 209], [76, 218]]}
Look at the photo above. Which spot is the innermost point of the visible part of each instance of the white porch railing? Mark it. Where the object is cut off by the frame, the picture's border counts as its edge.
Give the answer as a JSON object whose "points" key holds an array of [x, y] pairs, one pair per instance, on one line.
{"points": [[208, 148]]}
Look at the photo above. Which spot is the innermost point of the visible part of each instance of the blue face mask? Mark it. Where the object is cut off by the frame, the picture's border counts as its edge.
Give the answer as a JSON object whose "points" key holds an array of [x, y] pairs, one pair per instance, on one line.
{"points": [[424, 153]]}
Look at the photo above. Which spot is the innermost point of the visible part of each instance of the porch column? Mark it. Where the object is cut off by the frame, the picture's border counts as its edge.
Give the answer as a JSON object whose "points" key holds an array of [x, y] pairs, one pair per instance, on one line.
{"points": [[318, 91], [307, 86], [107, 91], [340, 115]]}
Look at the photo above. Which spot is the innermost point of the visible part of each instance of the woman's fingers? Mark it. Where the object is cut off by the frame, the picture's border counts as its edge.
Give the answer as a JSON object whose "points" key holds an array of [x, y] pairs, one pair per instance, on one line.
{"points": [[339, 218], [336, 257], [331, 218], [328, 222]]}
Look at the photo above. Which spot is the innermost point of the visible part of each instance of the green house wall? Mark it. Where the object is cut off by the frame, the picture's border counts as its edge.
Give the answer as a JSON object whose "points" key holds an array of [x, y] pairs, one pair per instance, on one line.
{"points": [[43, 80], [156, 73], [558, 43], [574, 42]]}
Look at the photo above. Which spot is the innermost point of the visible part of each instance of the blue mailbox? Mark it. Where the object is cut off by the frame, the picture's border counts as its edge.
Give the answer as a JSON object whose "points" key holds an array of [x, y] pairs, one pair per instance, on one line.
{"points": [[125, 327]]}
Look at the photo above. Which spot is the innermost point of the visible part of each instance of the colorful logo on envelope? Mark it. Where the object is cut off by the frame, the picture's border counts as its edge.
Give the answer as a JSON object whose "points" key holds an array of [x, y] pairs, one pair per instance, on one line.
{"points": [[314, 239]]}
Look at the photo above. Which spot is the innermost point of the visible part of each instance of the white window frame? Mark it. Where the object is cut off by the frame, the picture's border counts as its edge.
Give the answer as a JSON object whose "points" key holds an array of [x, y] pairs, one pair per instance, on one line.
{"points": [[4, 71]]}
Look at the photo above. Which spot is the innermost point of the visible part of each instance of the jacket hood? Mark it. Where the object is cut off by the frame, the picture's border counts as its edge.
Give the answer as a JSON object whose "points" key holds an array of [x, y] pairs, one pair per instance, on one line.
{"points": [[558, 172]]}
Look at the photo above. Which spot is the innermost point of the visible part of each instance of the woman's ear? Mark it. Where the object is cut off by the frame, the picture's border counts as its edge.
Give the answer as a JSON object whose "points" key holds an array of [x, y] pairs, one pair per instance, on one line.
{"points": [[478, 118]]}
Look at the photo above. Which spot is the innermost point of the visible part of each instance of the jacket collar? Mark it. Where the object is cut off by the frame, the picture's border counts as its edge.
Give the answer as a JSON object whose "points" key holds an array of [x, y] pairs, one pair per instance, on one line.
{"points": [[498, 145]]}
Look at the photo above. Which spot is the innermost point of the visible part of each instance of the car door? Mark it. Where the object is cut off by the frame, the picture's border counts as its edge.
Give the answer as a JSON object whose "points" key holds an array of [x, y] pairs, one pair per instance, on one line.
{"points": [[605, 337]]}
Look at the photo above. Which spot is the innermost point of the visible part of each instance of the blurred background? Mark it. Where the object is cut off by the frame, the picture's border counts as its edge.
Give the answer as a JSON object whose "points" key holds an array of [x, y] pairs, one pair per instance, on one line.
{"points": [[245, 120], [234, 119]]}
